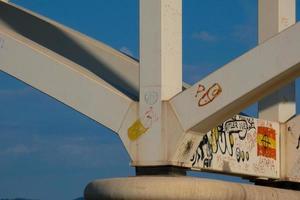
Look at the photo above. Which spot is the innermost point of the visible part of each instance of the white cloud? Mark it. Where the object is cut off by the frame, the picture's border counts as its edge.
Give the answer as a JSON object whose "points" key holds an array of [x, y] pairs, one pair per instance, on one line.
{"points": [[18, 150], [205, 36]]}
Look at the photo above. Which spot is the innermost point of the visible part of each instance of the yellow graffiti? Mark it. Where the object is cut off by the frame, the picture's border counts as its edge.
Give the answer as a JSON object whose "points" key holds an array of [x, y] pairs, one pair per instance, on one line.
{"points": [[231, 139], [265, 141], [214, 139], [136, 130]]}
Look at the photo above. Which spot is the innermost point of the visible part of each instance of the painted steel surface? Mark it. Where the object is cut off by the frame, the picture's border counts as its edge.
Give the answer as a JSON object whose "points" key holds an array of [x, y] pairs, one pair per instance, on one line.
{"points": [[102, 83], [241, 145], [241, 82], [292, 150], [114, 67], [274, 17], [62, 79]]}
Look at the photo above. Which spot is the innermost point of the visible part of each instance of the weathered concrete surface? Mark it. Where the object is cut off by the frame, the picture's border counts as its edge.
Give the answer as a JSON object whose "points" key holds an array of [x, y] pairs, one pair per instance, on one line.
{"points": [[181, 188]]}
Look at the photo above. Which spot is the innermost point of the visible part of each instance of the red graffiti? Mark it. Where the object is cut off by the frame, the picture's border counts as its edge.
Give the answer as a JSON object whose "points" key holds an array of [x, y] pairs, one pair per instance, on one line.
{"points": [[207, 96], [150, 117]]}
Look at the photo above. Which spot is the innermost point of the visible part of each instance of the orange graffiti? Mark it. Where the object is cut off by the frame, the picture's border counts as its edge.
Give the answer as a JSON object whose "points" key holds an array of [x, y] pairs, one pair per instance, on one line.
{"points": [[209, 95], [266, 142]]}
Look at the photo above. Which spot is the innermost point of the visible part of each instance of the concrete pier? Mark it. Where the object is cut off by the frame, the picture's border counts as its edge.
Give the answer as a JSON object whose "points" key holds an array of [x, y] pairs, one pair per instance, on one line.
{"points": [[181, 188]]}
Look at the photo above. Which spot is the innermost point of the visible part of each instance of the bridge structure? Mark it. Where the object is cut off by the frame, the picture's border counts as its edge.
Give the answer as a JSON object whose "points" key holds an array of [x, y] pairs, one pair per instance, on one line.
{"points": [[167, 126]]}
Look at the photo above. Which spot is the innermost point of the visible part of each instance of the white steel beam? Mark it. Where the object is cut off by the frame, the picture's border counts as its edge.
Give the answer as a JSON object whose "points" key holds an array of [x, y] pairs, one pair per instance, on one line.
{"points": [[160, 74], [274, 17], [242, 146], [62, 79], [241, 82], [161, 47], [114, 67], [291, 147]]}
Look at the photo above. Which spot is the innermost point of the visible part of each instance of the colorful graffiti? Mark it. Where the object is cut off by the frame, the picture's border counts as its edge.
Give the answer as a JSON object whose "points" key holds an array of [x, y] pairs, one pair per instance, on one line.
{"points": [[140, 127], [266, 142], [207, 96], [242, 145], [222, 140]]}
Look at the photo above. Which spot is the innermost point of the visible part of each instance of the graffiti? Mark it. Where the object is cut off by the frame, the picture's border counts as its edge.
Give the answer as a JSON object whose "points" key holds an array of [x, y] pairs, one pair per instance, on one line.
{"points": [[298, 146], [242, 145], [241, 155], [151, 97], [266, 142], [150, 117], [188, 147], [207, 96], [140, 127], [203, 153], [264, 165], [239, 126], [136, 130], [222, 140]]}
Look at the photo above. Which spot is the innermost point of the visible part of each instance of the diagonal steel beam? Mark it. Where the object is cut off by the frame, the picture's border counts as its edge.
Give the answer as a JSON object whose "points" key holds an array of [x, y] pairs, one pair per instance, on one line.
{"points": [[241, 82], [120, 70], [62, 79]]}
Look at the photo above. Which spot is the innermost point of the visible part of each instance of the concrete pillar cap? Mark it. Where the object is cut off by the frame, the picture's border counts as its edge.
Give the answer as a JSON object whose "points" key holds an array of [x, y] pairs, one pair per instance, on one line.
{"points": [[181, 188]]}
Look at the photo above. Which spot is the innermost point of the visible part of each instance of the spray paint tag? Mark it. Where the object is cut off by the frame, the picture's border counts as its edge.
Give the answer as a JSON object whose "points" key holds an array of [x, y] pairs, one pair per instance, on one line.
{"points": [[136, 130], [266, 142]]}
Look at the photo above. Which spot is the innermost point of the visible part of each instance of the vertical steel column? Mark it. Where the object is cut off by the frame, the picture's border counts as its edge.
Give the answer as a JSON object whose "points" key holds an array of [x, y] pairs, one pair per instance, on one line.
{"points": [[160, 73], [274, 17]]}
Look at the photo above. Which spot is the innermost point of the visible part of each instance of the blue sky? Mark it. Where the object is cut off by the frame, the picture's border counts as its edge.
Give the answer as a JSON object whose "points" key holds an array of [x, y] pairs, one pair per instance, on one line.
{"points": [[49, 151]]}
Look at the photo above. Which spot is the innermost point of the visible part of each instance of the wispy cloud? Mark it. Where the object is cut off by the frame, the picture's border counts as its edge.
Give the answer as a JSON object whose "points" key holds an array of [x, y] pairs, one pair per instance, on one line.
{"points": [[50, 150], [17, 150], [126, 50], [205, 36]]}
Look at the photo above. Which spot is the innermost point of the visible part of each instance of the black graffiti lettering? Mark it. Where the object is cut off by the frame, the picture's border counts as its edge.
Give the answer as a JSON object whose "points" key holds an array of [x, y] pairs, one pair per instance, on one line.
{"points": [[238, 154], [239, 126], [298, 143], [204, 150], [241, 155], [207, 162], [222, 139], [223, 142]]}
